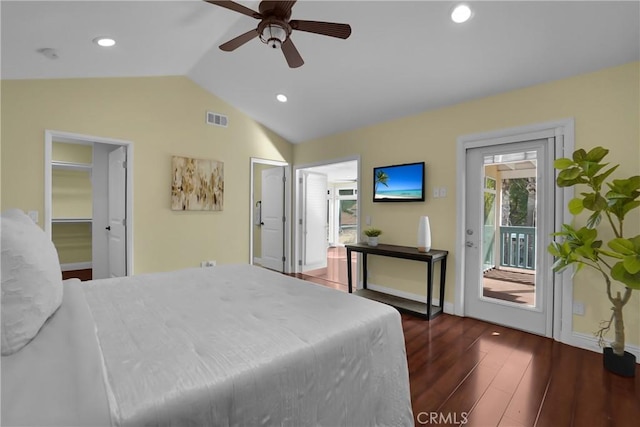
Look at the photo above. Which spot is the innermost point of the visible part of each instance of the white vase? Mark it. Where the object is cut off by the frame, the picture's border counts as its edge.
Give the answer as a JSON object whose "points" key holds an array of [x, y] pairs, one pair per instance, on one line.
{"points": [[372, 241], [424, 235]]}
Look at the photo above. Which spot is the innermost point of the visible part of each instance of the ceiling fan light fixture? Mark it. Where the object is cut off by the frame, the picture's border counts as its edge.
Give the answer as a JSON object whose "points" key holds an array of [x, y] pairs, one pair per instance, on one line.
{"points": [[281, 97], [461, 13], [274, 35]]}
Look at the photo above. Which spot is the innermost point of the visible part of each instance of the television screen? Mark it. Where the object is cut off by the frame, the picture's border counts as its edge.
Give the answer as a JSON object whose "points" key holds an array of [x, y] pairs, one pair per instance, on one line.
{"points": [[399, 183]]}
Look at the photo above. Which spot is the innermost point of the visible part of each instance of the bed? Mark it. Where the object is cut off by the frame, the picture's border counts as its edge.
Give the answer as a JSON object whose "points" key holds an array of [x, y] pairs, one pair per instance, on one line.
{"points": [[232, 345]]}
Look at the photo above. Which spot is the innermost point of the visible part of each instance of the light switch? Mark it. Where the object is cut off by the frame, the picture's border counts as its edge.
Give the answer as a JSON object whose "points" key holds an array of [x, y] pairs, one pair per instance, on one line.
{"points": [[436, 192], [33, 215], [443, 192], [368, 220]]}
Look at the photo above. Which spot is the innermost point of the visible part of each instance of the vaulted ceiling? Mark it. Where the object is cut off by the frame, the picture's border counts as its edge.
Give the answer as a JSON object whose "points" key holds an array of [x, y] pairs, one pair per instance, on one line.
{"points": [[403, 57]]}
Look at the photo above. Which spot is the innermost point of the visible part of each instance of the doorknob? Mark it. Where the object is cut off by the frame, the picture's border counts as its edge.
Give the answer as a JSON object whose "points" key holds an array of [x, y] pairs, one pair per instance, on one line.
{"points": [[108, 228], [469, 244]]}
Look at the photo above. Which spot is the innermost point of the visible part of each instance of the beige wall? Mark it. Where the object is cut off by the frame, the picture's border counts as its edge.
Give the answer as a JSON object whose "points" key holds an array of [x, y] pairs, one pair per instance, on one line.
{"points": [[72, 153], [72, 241], [606, 108], [71, 194], [162, 116]]}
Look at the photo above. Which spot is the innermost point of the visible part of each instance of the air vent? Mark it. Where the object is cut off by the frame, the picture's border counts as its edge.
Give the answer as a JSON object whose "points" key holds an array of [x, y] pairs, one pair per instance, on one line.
{"points": [[217, 119]]}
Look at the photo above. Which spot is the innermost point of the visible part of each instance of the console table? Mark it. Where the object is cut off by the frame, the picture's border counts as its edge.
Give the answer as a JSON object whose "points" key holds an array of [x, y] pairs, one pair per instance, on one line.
{"points": [[428, 310]]}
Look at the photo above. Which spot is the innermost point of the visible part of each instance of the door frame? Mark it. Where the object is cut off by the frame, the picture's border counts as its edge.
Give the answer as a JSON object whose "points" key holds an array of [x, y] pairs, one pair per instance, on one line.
{"points": [[560, 327], [298, 232], [287, 207], [76, 138]]}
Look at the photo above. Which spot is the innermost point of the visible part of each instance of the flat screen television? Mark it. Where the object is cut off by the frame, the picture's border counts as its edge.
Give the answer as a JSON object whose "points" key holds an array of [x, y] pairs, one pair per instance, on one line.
{"points": [[399, 183]]}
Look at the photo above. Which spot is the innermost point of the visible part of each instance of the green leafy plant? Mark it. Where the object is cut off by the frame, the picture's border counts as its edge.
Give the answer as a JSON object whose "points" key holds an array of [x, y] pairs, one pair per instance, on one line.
{"points": [[619, 260], [372, 232]]}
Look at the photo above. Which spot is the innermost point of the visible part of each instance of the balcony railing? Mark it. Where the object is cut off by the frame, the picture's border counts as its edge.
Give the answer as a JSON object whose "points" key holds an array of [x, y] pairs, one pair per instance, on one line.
{"points": [[518, 247]]}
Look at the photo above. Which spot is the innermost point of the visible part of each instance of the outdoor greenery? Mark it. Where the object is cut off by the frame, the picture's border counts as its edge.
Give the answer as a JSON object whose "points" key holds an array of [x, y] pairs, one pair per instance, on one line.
{"points": [[521, 208], [619, 260]]}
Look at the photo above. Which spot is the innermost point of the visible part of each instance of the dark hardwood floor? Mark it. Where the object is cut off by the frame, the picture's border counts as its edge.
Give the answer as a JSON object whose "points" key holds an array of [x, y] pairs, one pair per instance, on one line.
{"points": [[464, 371], [83, 275]]}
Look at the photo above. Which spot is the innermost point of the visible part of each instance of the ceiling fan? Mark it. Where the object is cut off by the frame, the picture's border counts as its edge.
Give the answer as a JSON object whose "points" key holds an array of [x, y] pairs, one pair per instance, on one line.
{"points": [[275, 27]]}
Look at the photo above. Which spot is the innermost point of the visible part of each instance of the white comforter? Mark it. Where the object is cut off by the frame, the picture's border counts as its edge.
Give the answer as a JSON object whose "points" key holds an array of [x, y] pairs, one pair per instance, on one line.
{"points": [[243, 346]]}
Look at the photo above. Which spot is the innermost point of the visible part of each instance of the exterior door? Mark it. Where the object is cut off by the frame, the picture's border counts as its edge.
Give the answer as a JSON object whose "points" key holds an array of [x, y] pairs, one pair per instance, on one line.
{"points": [[273, 220], [117, 228], [314, 220], [510, 193]]}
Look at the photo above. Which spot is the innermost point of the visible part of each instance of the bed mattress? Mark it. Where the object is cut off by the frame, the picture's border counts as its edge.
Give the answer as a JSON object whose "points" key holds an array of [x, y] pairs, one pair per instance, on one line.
{"points": [[239, 345]]}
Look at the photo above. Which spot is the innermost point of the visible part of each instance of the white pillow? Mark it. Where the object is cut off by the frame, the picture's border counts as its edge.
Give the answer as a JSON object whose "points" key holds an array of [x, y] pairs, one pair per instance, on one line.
{"points": [[31, 279]]}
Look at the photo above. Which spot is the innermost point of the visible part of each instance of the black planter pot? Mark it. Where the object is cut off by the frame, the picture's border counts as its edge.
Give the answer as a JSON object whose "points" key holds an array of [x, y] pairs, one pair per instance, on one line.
{"points": [[620, 365]]}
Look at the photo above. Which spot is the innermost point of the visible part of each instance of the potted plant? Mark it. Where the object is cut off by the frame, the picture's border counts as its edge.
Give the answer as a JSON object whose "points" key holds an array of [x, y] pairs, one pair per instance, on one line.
{"points": [[616, 259], [372, 235]]}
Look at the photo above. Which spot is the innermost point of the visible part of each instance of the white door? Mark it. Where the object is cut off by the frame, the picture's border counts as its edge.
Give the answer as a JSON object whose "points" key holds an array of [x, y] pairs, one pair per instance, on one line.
{"points": [[523, 224], [117, 228], [273, 220], [314, 220]]}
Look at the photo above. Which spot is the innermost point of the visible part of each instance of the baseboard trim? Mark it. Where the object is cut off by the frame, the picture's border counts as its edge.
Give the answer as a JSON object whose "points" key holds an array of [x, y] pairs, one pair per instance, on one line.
{"points": [[76, 266], [589, 342], [448, 307], [257, 260]]}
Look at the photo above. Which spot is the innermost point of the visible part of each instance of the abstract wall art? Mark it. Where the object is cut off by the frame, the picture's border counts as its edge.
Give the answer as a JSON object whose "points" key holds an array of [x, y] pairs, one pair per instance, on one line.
{"points": [[197, 184]]}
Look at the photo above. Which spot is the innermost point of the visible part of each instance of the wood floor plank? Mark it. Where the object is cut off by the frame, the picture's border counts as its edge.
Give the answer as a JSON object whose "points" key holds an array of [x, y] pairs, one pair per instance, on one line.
{"points": [[489, 409], [558, 405], [470, 391], [527, 398], [510, 422], [512, 371]]}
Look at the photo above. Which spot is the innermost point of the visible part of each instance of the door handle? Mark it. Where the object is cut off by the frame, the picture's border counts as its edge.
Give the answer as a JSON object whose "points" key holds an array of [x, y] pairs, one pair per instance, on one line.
{"points": [[108, 228], [469, 244]]}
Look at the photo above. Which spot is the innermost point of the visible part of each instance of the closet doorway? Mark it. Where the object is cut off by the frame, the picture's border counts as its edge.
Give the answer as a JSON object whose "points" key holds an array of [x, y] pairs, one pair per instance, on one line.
{"points": [[88, 204]]}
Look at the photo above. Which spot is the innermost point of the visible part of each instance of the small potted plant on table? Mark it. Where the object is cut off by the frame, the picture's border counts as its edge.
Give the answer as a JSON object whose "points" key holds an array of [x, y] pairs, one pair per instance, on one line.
{"points": [[372, 235]]}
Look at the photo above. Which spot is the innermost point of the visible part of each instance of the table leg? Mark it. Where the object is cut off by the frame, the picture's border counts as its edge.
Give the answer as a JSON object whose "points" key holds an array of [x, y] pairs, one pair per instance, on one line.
{"points": [[349, 270], [443, 271], [364, 270], [429, 288]]}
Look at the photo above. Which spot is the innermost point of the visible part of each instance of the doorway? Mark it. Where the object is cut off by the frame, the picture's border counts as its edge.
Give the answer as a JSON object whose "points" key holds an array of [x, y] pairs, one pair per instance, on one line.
{"points": [[269, 227], [327, 219], [508, 207], [88, 204]]}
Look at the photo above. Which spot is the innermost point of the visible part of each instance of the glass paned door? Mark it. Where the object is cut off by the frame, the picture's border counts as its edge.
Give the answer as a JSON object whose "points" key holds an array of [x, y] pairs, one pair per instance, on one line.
{"points": [[508, 197]]}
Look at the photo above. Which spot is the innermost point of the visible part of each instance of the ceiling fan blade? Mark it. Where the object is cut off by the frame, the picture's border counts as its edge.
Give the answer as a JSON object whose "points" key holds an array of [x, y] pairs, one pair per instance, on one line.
{"points": [[332, 29], [291, 54], [235, 43], [236, 8]]}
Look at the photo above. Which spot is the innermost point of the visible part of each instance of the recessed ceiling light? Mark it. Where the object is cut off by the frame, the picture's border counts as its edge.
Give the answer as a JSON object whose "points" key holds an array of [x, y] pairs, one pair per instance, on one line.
{"points": [[282, 98], [461, 13], [104, 41]]}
